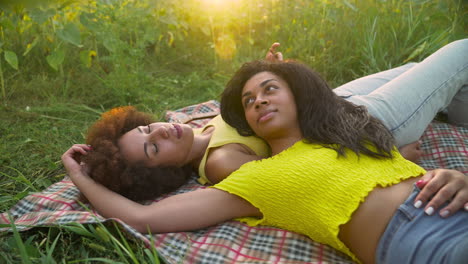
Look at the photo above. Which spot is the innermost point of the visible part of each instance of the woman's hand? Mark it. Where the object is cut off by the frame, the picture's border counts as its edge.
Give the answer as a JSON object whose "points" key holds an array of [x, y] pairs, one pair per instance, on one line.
{"points": [[444, 185], [71, 159], [272, 54]]}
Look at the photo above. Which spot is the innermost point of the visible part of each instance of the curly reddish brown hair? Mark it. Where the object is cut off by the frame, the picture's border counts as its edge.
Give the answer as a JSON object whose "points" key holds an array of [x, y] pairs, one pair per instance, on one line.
{"points": [[108, 167]]}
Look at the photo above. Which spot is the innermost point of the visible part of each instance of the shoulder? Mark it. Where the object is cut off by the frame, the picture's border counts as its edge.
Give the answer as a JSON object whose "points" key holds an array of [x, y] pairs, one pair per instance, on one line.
{"points": [[223, 160]]}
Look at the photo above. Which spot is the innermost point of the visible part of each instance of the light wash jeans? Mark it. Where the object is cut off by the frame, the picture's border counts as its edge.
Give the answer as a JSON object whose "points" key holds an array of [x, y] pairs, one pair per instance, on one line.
{"points": [[407, 98], [413, 237]]}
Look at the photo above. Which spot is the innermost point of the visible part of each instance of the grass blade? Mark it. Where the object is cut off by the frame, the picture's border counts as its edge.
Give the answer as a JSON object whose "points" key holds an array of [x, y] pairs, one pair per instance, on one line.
{"points": [[19, 242]]}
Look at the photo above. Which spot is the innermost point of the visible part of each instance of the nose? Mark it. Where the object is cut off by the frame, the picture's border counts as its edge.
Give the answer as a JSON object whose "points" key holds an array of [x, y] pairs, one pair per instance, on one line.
{"points": [[261, 101], [160, 132]]}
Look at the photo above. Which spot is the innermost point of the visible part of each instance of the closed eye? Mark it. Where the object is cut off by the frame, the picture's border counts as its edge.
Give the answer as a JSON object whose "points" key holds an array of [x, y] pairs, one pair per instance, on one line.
{"points": [[156, 149]]}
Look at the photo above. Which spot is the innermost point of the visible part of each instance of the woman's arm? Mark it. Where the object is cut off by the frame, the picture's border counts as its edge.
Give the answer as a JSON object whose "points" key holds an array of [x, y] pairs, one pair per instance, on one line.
{"points": [[182, 212]]}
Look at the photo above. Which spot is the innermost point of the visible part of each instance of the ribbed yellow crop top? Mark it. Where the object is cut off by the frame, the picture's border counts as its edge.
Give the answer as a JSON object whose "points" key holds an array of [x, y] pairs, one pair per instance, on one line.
{"points": [[309, 190], [225, 134]]}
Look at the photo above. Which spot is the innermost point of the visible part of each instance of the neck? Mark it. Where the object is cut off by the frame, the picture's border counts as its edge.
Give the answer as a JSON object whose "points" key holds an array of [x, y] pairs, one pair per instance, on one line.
{"points": [[200, 144], [279, 144]]}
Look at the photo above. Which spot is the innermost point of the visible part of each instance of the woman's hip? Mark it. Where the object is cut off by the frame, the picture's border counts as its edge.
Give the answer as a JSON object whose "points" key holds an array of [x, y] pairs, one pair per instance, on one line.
{"points": [[414, 237]]}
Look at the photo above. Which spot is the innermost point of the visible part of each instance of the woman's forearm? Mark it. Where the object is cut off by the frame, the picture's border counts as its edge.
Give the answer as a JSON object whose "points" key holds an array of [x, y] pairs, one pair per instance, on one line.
{"points": [[187, 211], [182, 212], [108, 203]]}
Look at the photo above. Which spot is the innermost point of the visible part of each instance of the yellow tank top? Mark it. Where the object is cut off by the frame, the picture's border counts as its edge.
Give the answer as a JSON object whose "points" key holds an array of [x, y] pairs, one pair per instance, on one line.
{"points": [[225, 134], [309, 190]]}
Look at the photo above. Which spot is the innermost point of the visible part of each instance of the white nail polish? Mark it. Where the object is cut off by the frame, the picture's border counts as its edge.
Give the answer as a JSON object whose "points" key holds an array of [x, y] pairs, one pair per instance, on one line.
{"points": [[418, 204], [444, 213], [429, 211]]}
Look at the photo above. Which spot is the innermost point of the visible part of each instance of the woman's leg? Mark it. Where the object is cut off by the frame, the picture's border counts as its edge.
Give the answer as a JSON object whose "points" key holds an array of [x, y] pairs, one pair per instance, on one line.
{"points": [[412, 151], [458, 108], [409, 102], [367, 84]]}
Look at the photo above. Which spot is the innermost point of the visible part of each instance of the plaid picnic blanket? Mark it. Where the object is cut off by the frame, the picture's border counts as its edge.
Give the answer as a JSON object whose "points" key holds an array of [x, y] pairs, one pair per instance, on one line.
{"points": [[444, 146]]}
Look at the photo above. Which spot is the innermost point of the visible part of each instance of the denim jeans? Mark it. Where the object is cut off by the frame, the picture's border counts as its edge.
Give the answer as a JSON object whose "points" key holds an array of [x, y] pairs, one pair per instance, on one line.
{"points": [[407, 98], [414, 237]]}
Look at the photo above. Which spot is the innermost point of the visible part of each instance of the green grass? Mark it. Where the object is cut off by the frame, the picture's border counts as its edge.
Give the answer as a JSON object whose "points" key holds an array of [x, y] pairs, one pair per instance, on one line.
{"points": [[64, 63]]}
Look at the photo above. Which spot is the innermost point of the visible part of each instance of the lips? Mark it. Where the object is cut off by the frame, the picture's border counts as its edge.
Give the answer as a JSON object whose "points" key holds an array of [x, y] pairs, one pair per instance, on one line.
{"points": [[266, 115], [178, 130]]}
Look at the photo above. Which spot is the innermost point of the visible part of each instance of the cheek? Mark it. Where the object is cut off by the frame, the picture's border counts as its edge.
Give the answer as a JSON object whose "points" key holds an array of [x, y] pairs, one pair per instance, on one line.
{"points": [[289, 100], [249, 116]]}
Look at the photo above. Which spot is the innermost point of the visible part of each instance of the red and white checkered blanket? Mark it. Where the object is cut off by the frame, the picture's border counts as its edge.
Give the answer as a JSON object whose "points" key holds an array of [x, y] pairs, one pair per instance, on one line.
{"points": [[444, 146]]}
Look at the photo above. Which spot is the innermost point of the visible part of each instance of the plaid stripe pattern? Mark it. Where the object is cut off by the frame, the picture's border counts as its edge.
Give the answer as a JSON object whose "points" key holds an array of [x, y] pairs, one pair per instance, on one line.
{"points": [[195, 115], [444, 146]]}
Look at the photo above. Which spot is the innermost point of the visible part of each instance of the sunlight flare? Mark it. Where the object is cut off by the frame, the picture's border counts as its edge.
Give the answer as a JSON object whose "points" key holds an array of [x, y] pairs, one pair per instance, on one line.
{"points": [[220, 5], [225, 46]]}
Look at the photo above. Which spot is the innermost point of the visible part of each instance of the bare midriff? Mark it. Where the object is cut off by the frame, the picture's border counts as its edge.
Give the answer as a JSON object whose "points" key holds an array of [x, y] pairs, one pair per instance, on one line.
{"points": [[368, 223]]}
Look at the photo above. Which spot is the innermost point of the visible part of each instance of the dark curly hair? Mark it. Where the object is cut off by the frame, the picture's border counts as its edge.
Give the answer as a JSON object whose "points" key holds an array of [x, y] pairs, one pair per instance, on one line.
{"points": [[108, 167], [324, 118]]}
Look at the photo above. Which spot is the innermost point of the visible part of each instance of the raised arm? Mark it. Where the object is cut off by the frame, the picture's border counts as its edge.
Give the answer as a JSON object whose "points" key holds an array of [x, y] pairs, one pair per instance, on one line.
{"points": [[181, 212]]}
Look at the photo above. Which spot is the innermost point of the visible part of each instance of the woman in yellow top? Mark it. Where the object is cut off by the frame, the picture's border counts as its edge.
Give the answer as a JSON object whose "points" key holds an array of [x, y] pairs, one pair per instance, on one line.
{"points": [[335, 175], [341, 186]]}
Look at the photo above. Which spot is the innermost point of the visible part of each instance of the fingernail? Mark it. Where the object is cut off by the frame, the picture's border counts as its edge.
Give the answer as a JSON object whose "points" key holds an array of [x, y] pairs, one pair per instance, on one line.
{"points": [[418, 204], [444, 213], [429, 211], [420, 183], [466, 207]]}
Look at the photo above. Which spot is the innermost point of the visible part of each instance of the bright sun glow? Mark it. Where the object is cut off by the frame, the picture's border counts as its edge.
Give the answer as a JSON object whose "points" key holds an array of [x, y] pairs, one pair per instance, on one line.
{"points": [[220, 14], [220, 5]]}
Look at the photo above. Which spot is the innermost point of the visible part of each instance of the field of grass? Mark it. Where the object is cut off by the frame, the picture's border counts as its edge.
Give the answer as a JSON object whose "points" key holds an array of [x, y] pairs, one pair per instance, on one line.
{"points": [[64, 62]]}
